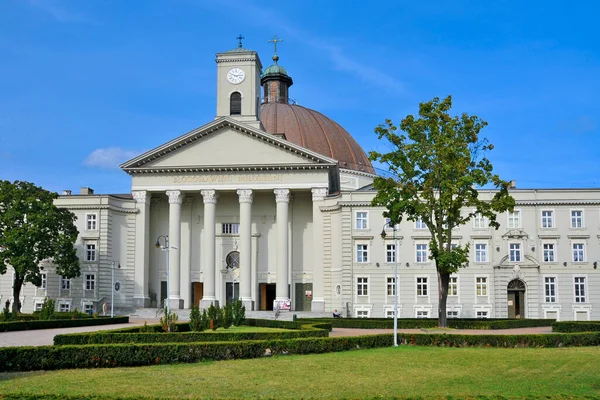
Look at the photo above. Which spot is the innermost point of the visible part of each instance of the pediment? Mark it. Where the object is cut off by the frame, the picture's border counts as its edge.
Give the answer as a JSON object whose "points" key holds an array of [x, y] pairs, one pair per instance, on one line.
{"points": [[226, 144]]}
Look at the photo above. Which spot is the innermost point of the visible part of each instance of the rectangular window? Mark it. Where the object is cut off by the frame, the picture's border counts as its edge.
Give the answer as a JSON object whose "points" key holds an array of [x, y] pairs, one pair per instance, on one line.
{"points": [[453, 286], [362, 286], [389, 314], [390, 253], [579, 289], [515, 252], [44, 284], [419, 224], [577, 219], [578, 252], [90, 281], [391, 288], [422, 314], [421, 253], [64, 307], [451, 314], [482, 314], [480, 252], [38, 306], [549, 252], [90, 252], [91, 220], [88, 308], [362, 253], [481, 286], [547, 219], [550, 289], [479, 222], [65, 283], [362, 314], [514, 219], [230, 228], [421, 286], [361, 220]]}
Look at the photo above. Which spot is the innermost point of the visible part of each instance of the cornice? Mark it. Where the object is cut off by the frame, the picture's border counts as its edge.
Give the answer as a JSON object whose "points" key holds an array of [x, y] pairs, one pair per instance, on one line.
{"points": [[557, 203], [221, 168], [102, 207]]}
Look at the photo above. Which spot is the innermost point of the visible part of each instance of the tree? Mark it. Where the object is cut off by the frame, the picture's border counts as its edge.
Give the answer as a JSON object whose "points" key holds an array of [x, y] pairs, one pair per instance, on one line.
{"points": [[438, 163], [33, 229]]}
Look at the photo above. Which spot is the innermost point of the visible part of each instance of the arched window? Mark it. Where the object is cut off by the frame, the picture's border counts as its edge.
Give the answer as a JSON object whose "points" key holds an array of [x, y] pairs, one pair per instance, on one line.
{"points": [[233, 260], [235, 103]]}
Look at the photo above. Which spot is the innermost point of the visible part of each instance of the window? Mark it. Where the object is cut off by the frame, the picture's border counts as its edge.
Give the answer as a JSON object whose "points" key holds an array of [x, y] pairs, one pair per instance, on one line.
{"points": [[422, 286], [44, 284], [362, 253], [65, 283], [390, 253], [547, 219], [451, 314], [421, 252], [453, 286], [230, 228], [361, 220], [480, 252], [90, 281], [577, 219], [479, 221], [422, 314], [515, 252], [549, 252], [391, 287], [362, 314], [579, 289], [482, 314], [550, 289], [362, 286], [91, 220], [88, 308], [578, 252], [90, 252], [481, 286], [38, 306], [235, 104], [64, 307], [419, 224], [389, 314], [514, 219]]}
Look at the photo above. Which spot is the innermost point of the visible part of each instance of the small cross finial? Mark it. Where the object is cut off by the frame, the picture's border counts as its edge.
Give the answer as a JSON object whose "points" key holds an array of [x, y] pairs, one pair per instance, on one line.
{"points": [[239, 38], [275, 40]]}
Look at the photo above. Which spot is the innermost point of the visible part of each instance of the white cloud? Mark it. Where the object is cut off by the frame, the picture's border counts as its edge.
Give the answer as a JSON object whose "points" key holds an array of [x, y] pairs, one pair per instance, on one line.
{"points": [[110, 157]]}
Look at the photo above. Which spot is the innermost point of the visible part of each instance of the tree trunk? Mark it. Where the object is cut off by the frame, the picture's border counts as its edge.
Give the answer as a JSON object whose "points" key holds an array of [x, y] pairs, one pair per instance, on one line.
{"points": [[17, 285], [443, 280]]}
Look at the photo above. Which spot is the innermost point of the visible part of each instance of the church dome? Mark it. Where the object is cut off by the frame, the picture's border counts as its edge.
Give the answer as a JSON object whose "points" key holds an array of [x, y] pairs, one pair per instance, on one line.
{"points": [[315, 131]]}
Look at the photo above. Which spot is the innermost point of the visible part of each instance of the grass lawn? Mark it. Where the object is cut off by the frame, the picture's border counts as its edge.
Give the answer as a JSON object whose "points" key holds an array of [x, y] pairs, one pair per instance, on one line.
{"points": [[379, 373]]}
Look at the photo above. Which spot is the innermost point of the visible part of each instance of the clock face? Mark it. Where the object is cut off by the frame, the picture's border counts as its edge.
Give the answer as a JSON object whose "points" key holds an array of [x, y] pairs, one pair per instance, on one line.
{"points": [[236, 75]]}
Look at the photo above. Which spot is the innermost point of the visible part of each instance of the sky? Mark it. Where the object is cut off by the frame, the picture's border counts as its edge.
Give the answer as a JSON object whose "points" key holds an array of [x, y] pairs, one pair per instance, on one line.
{"points": [[87, 85]]}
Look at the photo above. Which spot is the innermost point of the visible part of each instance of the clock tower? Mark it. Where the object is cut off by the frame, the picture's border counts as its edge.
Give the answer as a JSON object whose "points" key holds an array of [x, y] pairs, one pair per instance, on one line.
{"points": [[238, 85]]}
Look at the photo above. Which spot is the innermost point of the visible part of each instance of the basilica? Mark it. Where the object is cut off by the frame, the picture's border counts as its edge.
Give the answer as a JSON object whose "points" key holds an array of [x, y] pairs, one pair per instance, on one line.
{"points": [[270, 203]]}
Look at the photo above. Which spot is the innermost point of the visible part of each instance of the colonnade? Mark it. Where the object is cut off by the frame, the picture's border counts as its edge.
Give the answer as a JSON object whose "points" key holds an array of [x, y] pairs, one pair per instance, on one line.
{"points": [[208, 254]]}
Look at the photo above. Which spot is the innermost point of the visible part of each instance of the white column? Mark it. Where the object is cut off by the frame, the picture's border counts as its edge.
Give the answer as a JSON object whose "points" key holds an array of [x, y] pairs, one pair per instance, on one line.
{"points": [[246, 247], [174, 250], [282, 197], [186, 252], [208, 248], [142, 249], [318, 299]]}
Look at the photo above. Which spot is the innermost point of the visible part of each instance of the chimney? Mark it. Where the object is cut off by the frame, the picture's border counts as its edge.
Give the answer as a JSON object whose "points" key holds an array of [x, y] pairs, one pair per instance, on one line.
{"points": [[86, 191], [66, 193], [512, 184]]}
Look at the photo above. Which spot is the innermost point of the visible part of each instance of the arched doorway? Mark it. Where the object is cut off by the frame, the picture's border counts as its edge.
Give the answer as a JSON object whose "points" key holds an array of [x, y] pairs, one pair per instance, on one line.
{"points": [[516, 299]]}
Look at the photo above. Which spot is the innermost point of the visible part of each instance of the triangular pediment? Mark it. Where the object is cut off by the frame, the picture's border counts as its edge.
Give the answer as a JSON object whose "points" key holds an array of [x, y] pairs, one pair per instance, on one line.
{"points": [[226, 144]]}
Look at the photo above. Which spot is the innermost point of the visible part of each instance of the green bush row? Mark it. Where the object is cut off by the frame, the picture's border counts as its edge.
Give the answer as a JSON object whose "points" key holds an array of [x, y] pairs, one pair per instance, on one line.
{"points": [[270, 323], [121, 355], [576, 326], [420, 323], [188, 337], [60, 323]]}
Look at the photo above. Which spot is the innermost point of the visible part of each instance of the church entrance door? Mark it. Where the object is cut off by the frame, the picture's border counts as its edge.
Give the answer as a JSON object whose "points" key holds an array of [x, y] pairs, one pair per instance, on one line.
{"points": [[197, 293], [267, 295], [303, 296], [516, 299]]}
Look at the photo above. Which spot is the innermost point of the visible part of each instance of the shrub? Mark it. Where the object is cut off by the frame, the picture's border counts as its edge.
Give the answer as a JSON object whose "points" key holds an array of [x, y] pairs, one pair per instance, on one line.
{"points": [[239, 313], [59, 323], [425, 323], [47, 311], [196, 320], [144, 329], [576, 326], [168, 320], [213, 316], [228, 315], [205, 320]]}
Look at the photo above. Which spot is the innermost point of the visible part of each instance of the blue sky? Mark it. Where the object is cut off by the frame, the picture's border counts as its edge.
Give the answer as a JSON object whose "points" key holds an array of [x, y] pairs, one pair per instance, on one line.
{"points": [[86, 85]]}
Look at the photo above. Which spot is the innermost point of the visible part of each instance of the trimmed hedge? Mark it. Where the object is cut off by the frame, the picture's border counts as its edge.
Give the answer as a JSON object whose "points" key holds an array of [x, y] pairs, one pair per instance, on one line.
{"points": [[430, 323], [120, 355], [269, 323], [576, 326], [60, 323]]}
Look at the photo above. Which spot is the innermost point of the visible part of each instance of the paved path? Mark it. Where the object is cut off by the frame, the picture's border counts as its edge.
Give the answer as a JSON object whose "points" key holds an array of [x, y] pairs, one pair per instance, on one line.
{"points": [[43, 337]]}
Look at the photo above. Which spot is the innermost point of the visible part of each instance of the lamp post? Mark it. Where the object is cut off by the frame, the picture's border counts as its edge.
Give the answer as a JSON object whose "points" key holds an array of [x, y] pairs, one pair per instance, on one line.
{"points": [[112, 291], [383, 235], [165, 248]]}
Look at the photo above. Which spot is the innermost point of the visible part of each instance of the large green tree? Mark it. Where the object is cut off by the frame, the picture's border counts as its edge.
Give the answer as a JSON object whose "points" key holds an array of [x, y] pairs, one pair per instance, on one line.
{"points": [[33, 229], [437, 163]]}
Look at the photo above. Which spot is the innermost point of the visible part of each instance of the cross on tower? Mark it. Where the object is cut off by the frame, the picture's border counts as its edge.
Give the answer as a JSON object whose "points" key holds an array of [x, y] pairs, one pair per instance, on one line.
{"points": [[275, 40], [240, 37]]}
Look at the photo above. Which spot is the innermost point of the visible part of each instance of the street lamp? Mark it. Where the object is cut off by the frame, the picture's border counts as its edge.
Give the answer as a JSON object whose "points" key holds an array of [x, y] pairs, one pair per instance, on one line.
{"points": [[165, 248], [383, 235], [112, 291]]}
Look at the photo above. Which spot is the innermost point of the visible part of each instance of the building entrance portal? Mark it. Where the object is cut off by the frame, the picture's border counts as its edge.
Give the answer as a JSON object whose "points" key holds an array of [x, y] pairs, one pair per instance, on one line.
{"points": [[267, 296], [197, 293], [516, 299]]}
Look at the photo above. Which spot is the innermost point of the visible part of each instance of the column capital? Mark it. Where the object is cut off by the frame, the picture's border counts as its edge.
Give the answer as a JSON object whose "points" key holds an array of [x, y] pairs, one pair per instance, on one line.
{"points": [[282, 195], [245, 195], [175, 196], [140, 196], [318, 194], [209, 196]]}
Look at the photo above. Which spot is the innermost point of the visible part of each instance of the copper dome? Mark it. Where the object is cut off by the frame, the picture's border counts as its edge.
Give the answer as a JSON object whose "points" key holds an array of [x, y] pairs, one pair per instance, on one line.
{"points": [[313, 130]]}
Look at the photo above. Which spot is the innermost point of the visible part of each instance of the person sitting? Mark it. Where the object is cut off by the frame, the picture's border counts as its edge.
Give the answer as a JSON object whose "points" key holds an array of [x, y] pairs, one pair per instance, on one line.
{"points": [[336, 314]]}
